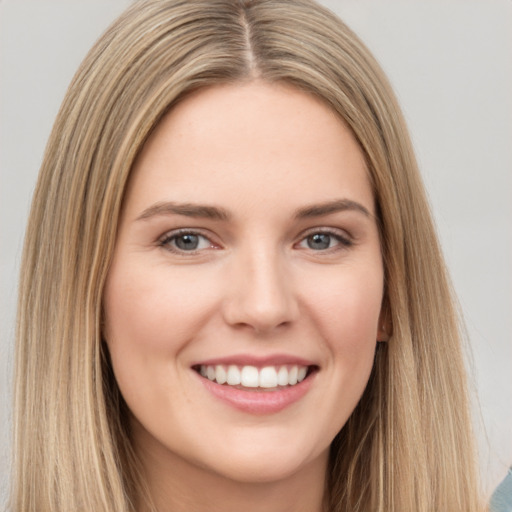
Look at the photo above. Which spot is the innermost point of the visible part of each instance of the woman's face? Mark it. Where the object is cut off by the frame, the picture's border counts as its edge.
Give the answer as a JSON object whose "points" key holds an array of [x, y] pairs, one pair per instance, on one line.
{"points": [[243, 302]]}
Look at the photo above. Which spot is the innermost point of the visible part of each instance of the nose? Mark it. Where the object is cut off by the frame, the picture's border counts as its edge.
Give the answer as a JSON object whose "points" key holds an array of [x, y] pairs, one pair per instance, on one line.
{"points": [[260, 293]]}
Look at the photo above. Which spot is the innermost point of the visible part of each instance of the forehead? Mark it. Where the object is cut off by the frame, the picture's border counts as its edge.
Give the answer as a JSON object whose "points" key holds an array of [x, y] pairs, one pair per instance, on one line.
{"points": [[254, 140]]}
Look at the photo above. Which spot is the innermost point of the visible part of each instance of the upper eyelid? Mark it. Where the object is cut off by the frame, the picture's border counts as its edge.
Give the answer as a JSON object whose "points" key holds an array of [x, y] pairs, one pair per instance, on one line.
{"points": [[184, 231], [344, 240], [337, 232], [343, 233], [165, 240]]}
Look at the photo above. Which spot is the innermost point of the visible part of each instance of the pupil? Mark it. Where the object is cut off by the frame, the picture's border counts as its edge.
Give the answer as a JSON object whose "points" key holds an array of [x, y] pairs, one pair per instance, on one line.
{"points": [[187, 242], [319, 241]]}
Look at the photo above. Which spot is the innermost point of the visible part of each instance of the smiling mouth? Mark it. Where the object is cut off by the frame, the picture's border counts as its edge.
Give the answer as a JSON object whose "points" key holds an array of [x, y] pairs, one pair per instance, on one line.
{"points": [[252, 378]]}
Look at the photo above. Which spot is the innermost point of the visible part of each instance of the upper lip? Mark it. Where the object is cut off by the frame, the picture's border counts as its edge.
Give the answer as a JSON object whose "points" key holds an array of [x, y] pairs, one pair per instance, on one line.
{"points": [[258, 361]]}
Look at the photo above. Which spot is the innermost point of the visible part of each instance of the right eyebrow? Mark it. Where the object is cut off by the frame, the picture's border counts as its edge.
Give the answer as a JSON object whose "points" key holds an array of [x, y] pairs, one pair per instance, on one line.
{"points": [[329, 207], [186, 209]]}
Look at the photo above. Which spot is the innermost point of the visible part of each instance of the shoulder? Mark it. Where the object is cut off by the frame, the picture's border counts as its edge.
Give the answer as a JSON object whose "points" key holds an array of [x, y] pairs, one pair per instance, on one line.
{"points": [[501, 500]]}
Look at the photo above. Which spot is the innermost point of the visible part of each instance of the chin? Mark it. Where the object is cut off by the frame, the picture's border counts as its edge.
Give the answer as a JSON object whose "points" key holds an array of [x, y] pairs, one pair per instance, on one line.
{"points": [[257, 462]]}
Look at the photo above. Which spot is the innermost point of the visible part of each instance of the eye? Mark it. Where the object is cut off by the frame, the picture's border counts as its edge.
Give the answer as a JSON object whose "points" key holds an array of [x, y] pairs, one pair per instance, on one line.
{"points": [[324, 240], [185, 241]]}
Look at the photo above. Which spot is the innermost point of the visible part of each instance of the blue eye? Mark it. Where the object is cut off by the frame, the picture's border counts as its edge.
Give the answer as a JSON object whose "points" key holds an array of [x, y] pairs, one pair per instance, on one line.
{"points": [[319, 241], [185, 241], [322, 241]]}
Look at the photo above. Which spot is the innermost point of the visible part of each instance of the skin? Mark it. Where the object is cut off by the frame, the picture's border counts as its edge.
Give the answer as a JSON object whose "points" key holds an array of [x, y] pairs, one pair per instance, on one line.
{"points": [[254, 285]]}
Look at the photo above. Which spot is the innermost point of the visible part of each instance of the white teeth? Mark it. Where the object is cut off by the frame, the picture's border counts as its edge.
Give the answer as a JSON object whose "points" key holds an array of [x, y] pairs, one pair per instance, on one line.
{"points": [[220, 374], [282, 376], [249, 377], [292, 375], [301, 374], [233, 378], [253, 377], [268, 377]]}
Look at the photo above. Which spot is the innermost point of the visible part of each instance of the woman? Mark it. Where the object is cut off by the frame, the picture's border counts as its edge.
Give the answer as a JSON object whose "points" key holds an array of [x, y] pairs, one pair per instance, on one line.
{"points": [[229, 228]]}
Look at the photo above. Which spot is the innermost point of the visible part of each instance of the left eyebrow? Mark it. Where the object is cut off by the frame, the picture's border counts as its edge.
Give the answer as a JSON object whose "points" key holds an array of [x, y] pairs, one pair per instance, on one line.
{"points": [[186, 209], [338, 205]]}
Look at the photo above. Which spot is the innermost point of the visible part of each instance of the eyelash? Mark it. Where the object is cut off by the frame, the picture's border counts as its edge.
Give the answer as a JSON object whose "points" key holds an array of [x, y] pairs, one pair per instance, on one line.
{"points": [[168, 239], [344, 240]]}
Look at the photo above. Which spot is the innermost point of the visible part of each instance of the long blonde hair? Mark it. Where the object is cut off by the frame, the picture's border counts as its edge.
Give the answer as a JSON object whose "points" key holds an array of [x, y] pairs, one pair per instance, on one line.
{"points": [[408, 445]]}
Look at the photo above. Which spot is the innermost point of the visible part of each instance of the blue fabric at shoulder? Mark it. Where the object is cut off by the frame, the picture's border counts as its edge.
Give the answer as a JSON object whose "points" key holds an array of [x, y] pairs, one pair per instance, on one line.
{"points": [[501, 500]]}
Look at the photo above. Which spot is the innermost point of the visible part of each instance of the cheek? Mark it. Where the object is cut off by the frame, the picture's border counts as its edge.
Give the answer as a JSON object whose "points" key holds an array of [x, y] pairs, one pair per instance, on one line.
{"points": [[343, 307], [151, 316], [149, 309], [346, 308]]}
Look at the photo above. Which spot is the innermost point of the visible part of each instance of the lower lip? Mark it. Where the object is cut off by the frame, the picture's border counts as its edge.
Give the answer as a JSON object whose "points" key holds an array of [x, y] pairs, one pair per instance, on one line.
{"points": [[258, 401]]}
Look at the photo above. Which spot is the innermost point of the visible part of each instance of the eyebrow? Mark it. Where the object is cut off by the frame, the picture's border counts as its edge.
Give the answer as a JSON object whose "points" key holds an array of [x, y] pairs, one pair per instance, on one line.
{"points": [[186, 209], [218, 213], [338, 205]]}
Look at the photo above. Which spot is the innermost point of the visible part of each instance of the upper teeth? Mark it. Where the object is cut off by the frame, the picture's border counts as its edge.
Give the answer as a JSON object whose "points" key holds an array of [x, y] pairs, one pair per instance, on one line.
{"points": [[253, 377]]}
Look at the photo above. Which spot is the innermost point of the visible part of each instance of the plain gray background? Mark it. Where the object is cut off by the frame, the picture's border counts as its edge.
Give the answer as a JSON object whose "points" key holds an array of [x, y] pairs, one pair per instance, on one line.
{"points": [[451, 65]]}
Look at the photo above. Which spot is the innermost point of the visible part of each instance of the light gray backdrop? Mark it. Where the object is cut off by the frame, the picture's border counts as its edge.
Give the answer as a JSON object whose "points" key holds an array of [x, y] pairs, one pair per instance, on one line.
{"points": [[451, 65]]}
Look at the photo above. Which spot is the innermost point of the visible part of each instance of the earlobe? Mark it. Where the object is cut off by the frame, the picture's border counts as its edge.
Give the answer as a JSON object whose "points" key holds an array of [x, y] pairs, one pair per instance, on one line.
{"points": [[385, 328], [382, 335]]}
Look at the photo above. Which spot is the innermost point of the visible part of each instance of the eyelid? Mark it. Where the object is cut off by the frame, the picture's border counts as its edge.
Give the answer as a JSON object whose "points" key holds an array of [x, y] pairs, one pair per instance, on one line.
{"points": [[337, 232], [344, 237], [164, 240]]}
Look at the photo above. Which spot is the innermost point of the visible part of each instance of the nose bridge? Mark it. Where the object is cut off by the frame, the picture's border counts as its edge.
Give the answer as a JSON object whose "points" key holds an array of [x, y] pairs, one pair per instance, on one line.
{"points": [[261, 291]]}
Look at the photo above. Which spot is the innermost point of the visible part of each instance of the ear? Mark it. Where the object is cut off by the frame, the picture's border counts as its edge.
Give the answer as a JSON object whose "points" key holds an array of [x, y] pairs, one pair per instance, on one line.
{"points": [[385, 328]]}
